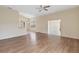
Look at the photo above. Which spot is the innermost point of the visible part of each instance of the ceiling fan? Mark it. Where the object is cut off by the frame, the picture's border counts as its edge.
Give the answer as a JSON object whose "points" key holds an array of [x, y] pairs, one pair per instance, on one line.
{"points": [[43, 8]]}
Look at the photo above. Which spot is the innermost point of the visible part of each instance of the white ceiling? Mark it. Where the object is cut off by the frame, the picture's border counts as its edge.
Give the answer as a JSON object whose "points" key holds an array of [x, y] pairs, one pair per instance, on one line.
{"points": [[31, 10]]}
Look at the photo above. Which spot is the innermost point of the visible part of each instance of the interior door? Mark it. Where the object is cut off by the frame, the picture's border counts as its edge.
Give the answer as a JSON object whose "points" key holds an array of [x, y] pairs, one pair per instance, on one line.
{"points": [[54, 27]]}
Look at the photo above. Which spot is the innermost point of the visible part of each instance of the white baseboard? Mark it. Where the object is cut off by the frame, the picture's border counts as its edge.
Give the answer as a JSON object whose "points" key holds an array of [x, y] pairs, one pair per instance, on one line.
{"points": [[74, 37], [11, 36]]}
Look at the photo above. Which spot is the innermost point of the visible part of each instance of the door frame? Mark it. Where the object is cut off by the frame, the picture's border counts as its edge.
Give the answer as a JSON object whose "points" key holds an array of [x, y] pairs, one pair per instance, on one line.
{"points": [[59, 20]]}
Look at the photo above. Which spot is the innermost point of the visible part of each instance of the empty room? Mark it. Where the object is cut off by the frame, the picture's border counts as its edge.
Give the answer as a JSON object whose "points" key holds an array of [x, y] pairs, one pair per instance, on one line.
{"points": [[39, 28]]}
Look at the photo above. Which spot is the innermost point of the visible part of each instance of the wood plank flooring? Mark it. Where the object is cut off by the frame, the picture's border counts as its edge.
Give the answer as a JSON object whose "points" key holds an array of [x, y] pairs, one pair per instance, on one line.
{"points": [[39, 43]]}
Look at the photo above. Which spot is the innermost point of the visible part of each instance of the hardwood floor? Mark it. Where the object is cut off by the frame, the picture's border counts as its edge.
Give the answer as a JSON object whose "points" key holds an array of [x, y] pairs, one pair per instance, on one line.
{"points": [[39, 42]]}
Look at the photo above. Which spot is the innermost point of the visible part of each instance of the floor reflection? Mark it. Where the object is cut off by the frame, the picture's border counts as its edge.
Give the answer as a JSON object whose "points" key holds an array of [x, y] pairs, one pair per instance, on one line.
{"points": [[33, 37]]}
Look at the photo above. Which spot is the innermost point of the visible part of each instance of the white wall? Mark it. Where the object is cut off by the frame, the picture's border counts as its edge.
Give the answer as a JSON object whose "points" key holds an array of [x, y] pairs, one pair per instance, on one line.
{"points": [[9, 23]]}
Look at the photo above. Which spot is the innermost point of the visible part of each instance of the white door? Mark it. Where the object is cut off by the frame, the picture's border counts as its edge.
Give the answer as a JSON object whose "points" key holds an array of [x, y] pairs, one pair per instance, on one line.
{"points": [[54, 27]]}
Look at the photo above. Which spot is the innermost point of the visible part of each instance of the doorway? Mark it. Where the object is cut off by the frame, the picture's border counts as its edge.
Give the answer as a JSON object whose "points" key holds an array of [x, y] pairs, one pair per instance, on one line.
{"points": [[54, 27]]}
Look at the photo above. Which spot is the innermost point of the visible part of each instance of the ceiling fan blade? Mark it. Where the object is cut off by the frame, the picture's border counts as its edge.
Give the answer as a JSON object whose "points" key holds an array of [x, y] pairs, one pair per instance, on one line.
{"points": [[41, 6], [47, 6], [46, 9]]}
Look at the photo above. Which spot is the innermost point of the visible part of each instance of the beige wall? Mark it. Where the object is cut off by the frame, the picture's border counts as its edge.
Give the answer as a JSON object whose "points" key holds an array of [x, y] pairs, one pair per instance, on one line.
{"points": [[9, 23], [69, 22]]}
